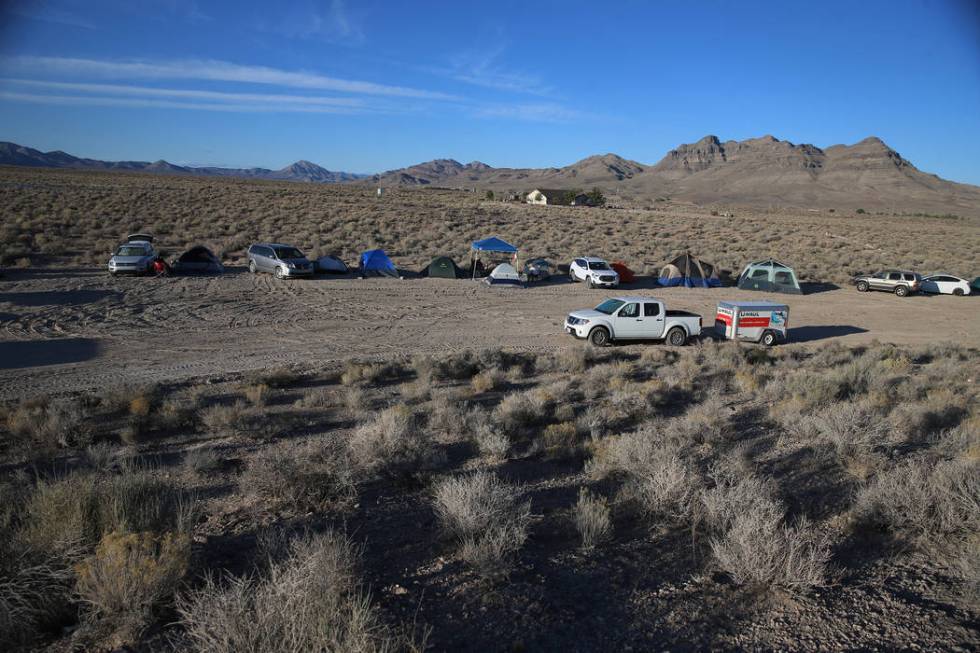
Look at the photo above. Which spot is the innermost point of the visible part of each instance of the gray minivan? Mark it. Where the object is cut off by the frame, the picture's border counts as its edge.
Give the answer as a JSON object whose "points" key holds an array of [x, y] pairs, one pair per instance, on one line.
{"points": [[284, 261]]}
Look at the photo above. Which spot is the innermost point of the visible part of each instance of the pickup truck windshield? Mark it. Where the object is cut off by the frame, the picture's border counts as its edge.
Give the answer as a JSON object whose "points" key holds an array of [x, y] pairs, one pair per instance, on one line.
{"points": [[609, 306], [598, 266], [288, 252], [129, 250]]}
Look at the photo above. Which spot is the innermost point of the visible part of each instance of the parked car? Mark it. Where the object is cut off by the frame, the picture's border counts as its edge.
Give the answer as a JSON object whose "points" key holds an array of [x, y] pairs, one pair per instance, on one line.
{"points": [[538, 269], [945, 284], [759, 321], [284, 261], [633, 318], [900, 282], [135, 256], [594, 271]]}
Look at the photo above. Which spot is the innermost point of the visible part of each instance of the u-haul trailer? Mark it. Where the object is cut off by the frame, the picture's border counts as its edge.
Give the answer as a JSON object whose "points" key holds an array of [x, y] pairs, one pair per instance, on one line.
{"points": [[761, 321]]}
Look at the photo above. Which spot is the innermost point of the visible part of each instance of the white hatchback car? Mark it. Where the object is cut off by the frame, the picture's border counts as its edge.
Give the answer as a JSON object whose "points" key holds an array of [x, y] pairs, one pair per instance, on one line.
{"points": [[945, 284], [594, 271]]}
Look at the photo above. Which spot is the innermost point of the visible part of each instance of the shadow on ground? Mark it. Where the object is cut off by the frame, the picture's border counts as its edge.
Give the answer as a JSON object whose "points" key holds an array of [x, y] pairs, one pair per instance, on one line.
{"points": [[56, 297], [813, 333], [36, 353]]}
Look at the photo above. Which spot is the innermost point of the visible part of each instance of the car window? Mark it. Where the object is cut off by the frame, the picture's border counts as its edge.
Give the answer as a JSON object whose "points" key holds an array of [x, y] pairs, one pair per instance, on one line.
{"points": [[598, 265], [609, 306], [878, 275], [263, 251], [651, 309], [630, 310], [894, 276], [288, 252], [580, 262], [909, 277], [130, 250]]}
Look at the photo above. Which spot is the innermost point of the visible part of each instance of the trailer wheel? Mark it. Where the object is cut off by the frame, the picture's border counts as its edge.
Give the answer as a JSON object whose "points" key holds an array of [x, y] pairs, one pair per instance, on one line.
{"points": [[591, 284], [862, 286], [677, 337], [902, 291], [768, 338], [599, 336]]}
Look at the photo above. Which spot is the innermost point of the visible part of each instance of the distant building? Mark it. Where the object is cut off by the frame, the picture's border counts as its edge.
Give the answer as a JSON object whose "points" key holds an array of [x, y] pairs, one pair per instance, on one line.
{"points": [[558, 197], [550, 196]]}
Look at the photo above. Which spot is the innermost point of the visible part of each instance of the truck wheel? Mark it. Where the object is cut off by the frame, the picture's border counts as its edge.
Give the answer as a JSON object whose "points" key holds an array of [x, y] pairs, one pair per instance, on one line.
{"points": [[591, 283], [862, 286], [251, 267], [769, 338], [571, 276], [279, 274], [599, 337], [958, 292], [677, 337], [902, 291]]}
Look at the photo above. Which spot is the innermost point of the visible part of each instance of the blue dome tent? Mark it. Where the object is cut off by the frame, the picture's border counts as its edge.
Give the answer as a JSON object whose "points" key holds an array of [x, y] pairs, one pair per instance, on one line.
{"points": [[375, 263]]}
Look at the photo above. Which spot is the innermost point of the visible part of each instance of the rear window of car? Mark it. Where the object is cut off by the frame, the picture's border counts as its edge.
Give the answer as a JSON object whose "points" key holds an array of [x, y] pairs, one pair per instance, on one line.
{"points": [[651, 309], [909, 277], [894, 276], [598, 265], [130, 250], [288, 252]]}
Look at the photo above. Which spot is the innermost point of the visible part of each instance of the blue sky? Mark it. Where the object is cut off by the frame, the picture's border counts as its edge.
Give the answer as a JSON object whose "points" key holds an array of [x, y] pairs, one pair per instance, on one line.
{"points": [[370, 86]]}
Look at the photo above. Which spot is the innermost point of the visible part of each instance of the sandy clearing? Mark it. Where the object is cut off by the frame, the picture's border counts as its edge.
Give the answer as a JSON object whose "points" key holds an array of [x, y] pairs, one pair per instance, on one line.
{"points": [[73, 330]]}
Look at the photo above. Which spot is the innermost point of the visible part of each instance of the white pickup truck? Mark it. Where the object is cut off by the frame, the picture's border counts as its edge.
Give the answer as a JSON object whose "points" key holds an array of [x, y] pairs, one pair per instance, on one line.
{"points": [[633, 318]]}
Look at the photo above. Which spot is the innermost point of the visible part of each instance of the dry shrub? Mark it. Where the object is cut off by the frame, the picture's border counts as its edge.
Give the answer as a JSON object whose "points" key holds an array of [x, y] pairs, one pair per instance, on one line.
{"points": [[356, 403], [454, 367], [34, 596], [761, 552], [574, 359], [311, 601], [223, 419], [313, 475], [732, 496], [314, 398], [657, 480], [518, 411], [48, 425], [592, 518], [360, 373], [708, 422], [140, 405], [257, 394], [560, 439], [855, 431], [925, 503], [130, 574], [281, 377], [450, 418], [489, 380], [394, 443], [486, 516], [491, 443], [203, 460], [101, 457]]}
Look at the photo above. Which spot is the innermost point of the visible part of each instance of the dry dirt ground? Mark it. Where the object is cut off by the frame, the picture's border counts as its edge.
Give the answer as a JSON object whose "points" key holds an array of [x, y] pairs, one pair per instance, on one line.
{"points": [[67, 330]]}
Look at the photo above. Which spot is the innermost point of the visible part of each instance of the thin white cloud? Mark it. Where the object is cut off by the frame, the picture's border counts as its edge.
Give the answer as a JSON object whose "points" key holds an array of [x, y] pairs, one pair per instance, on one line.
{"points": [[209, 70], [482, 68], [218, 96], [329, 22], [146, 103], [45, 11], [544, 112]]}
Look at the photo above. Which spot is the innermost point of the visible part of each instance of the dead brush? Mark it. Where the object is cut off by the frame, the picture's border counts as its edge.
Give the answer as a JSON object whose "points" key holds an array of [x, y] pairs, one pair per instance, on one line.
{"points": [[394, 443], [315, 475], [223, 419], [486, 516], [48, 425], [592, 518]]}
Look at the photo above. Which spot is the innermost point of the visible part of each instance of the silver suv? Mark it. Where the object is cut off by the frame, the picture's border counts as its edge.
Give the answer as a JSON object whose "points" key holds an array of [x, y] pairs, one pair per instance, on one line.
{"points": [[900, 282], [134, 256], [284, 261]]}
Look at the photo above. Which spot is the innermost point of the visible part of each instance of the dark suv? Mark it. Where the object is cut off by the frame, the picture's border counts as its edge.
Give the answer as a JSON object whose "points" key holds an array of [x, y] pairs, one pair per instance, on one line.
{"points": [[900, 282], [284, 261]]}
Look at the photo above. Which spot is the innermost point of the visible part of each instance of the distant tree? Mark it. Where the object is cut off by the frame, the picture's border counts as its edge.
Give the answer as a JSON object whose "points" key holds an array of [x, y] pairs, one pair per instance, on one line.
{"points": [[860, 211], [596, 198], [489, 194], [569, 196]]}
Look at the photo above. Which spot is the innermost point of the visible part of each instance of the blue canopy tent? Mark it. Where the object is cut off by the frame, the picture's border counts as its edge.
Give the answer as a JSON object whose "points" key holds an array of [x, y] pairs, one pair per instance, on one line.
{"points": [[376, 263], [492, 245]]}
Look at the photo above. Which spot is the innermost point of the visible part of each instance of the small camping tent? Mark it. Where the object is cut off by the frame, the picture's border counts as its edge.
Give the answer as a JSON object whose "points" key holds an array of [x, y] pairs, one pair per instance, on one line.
{"points": [[331, 265], [690, 272], [625, 274], [492, 245], [197, 259], [442, 267], [375, 263], [504, 274], [769, 275]]}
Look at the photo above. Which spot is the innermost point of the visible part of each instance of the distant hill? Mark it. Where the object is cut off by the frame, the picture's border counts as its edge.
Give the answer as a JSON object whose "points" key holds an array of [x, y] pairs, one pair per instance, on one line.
{"points": [[758, 172], [18, 155], [761, 172]]}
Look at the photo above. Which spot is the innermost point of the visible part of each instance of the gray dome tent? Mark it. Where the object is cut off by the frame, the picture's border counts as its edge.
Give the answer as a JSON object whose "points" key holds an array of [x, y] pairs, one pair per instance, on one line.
{"points": [[690, 272], [197, 259], [769, 275]]}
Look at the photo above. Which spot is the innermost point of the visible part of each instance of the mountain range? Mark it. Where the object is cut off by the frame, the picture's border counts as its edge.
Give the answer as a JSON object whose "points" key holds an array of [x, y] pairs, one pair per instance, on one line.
{"points": [[12, 154], [759, 172]]}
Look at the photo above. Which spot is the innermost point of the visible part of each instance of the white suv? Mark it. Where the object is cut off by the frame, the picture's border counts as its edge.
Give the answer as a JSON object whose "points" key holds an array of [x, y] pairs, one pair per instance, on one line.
{"points": [[594, 271]]}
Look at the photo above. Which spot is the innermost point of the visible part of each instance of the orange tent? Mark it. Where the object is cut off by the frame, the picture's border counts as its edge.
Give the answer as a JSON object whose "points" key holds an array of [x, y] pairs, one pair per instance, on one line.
{"points": [[625, 274]]}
